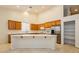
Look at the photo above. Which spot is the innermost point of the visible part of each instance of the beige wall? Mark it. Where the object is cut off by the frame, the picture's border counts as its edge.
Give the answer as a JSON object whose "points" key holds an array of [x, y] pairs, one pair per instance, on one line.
{"points": [[52, 14], [7, 14]]}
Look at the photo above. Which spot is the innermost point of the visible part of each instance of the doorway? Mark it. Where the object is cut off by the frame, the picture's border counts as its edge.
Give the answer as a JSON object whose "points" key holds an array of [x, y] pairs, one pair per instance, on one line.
{"points": [[69, 33]]}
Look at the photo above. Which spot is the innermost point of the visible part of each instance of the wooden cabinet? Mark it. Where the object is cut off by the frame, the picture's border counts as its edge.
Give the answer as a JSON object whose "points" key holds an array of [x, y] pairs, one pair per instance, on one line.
{"points": [[35, 27], [9, 38], [11, 25], [58, 22], [46, 25], [14, 25], [18, 25], [51, 24], [59, 38]]}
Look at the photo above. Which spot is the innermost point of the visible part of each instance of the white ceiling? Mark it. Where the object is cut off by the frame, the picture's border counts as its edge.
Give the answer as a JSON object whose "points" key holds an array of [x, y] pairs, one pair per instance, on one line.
{"points": [[34, 9]]}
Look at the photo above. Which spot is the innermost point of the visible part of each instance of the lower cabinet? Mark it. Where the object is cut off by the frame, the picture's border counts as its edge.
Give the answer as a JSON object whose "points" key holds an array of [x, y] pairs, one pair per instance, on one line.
{"points": [[9, 38], [14, 25], [59, 38], [33, 41]]}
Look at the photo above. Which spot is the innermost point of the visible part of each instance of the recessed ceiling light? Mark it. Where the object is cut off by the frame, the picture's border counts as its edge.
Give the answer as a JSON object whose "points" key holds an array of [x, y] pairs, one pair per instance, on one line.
{"points": [[75, 9]]}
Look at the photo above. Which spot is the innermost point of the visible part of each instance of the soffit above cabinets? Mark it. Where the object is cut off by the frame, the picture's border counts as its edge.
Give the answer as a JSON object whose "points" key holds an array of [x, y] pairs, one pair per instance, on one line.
{"points": [[33, 9]]}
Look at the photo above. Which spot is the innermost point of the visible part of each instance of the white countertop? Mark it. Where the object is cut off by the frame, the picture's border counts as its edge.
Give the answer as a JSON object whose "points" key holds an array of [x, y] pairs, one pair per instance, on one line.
{"points": [[34, 35]]}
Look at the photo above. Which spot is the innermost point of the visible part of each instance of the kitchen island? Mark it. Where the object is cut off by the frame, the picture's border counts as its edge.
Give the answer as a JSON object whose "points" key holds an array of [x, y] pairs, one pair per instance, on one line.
{"points": [[33, 41]]}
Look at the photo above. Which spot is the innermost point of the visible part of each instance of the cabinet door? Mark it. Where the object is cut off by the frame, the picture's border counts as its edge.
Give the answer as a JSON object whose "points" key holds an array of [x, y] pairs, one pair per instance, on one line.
{"points": [[9, 38], [18, 26], [11, 24], [58, 22], [59, 38], [35, 27], [53, 23]]}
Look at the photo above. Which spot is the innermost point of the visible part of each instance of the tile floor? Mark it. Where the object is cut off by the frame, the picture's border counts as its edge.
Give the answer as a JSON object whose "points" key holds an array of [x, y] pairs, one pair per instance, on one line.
{"points": [[6, 48]]}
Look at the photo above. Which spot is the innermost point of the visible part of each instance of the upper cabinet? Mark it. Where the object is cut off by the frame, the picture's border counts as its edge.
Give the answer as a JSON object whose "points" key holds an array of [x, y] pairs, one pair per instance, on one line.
{"points": [[18, 25], [11, 25], [51, 24], [14, 25], [35, 27], [45, 25], [58, 22]]}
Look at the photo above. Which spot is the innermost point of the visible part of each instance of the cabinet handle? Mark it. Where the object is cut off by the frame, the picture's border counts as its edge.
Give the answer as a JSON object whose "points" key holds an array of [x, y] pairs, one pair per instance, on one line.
{"points": [[45, 37], [21, 36], [33, 36]]}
